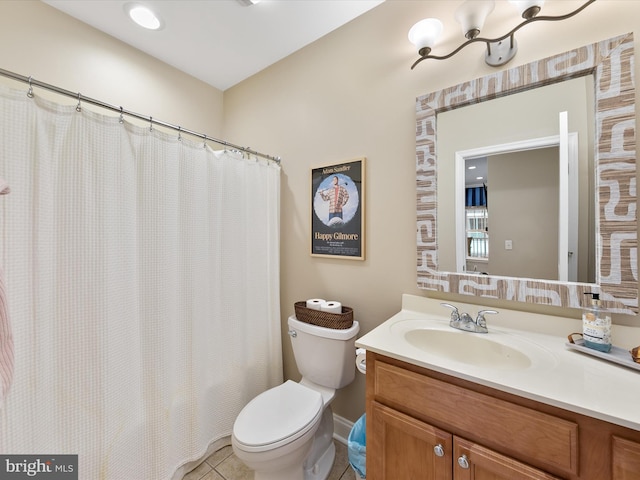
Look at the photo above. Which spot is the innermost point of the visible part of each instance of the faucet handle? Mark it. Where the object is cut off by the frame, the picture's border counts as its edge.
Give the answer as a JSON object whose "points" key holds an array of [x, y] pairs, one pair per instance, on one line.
{"points": [[455, 315], [480, 320]]}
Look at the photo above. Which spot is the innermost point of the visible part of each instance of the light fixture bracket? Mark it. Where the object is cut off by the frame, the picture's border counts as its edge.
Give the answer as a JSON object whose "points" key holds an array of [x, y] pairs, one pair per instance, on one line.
{"points": [[499, 51]]}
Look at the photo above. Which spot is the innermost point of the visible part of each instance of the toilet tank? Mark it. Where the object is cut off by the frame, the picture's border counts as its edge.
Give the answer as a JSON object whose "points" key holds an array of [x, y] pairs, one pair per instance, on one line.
{"points": [[326, 356]]}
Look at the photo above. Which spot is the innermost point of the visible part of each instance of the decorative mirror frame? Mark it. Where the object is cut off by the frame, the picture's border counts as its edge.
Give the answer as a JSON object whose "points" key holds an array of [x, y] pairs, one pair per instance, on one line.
{"points": [[611, 62]]}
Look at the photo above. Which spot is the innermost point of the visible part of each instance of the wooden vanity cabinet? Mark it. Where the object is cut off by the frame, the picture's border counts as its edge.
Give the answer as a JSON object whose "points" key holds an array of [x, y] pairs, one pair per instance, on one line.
{"points": [[424, 425], [406, 448], [626, 459], [403, 447]]}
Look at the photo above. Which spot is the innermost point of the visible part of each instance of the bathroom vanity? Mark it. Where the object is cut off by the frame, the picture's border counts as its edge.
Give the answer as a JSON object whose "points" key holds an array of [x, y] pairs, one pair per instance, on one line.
{"points": [[514, 403]]}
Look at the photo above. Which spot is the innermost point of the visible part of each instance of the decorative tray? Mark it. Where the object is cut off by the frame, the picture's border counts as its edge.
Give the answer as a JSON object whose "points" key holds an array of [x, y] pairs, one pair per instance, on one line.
{"points": [[616, 355]]}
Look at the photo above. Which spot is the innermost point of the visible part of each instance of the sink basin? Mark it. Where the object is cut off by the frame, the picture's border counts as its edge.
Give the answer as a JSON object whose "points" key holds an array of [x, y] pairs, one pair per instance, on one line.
{"points": [[435, 342], [471, 348]]}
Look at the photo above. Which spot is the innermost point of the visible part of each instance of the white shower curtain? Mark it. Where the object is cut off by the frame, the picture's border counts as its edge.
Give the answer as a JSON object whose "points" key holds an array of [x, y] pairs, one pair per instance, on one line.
{"points": [[142, 276]]}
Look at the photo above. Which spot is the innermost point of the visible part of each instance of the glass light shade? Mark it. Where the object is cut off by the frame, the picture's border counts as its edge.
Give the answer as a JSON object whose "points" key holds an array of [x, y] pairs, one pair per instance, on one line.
{"points": [[523, 5], [472, 14], [425, 33]]}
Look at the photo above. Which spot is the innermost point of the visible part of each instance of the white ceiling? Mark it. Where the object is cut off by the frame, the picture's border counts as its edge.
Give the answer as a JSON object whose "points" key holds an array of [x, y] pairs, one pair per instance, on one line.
{"points": [[220, 42]]}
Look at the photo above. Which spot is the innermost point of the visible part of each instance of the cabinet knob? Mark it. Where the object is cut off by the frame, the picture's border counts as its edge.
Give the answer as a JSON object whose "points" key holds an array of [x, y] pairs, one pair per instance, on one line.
{"points": [[438, 450], [463, 461]]}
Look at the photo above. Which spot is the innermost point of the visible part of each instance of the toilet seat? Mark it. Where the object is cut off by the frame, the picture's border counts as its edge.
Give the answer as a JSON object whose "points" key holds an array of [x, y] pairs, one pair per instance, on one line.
{"points": [[277, 417]]}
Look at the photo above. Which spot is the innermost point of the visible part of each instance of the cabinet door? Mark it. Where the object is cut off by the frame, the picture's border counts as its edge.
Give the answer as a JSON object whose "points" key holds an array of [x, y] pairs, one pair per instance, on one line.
{"points": [[406, 448], [626, 459], [474, 462]]}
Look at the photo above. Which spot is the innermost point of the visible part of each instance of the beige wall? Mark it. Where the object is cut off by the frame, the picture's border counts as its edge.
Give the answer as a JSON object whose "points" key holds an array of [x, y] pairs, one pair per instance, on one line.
{"points": [[347, 95], [523, 208], [352, 94]]}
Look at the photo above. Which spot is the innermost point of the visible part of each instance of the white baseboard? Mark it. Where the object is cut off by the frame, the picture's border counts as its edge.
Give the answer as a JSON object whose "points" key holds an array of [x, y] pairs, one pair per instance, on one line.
{"points": [[341, 428]]}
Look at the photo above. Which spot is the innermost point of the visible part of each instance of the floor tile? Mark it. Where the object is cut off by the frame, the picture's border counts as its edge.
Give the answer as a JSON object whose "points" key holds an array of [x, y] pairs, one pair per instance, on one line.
{"points": [[218, 456], [341, 462], [231, 468], [198, 472], [348, 474], [224, 465], [213, 475]]}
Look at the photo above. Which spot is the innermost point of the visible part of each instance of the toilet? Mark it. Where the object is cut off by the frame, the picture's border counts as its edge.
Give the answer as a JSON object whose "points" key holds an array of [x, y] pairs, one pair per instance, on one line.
{"points": [[286, 433]]}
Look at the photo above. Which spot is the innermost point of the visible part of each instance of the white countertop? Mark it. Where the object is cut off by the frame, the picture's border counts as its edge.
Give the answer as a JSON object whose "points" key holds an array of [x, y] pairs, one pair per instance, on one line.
{"points": [[558, 376]]}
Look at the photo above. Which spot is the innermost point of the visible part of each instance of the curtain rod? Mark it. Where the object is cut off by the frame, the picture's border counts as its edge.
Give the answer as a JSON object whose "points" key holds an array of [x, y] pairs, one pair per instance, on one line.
{"points": [[81, 98]]}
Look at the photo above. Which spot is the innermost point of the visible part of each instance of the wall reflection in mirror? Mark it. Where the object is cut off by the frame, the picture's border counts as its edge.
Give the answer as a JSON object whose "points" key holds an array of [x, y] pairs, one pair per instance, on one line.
{"points": [[559, 213]]}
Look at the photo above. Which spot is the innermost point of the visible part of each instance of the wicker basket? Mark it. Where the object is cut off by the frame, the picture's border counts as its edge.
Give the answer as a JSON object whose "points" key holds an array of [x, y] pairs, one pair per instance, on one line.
{"points": [[339, 321]]}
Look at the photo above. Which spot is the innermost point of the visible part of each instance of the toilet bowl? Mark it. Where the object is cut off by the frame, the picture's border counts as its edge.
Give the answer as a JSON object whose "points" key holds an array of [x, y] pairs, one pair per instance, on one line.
{"points": [[286, 433], [274, 432]]}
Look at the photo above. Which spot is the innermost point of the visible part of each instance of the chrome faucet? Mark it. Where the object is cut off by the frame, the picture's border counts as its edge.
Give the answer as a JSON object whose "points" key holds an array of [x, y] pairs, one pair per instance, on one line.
{"points": [[463, 321]]}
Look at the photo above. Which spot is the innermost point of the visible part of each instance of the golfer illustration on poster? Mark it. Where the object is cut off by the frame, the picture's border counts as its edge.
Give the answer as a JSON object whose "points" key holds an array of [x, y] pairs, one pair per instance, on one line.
{"points": [[337, 204]]}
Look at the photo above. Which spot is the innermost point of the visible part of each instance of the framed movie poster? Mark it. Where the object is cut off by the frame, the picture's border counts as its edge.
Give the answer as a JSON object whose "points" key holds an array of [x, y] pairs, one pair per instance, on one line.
{"points": [[337, 210]]}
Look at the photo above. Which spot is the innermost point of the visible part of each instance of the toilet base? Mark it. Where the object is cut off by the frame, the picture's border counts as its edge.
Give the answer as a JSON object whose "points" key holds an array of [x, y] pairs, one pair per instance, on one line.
{"points": [[322, 468], [320, 459], [318, 471]]}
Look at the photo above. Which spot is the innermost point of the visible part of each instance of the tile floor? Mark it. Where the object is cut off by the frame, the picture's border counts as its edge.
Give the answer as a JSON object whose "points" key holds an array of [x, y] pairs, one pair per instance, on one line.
{"points": [[223, 465]]}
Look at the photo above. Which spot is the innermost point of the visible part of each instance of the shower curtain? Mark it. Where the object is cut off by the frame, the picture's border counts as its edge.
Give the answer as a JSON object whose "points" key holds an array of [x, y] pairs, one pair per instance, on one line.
{"points": [[142, 275]]}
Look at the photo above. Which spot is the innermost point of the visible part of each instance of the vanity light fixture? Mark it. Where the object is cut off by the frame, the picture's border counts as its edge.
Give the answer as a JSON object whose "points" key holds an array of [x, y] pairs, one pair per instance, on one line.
{"points": [[143, 16], [471, 15]]}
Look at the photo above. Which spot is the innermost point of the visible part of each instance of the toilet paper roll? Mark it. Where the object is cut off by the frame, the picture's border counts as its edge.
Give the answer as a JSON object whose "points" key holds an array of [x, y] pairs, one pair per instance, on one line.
{"points": [[315, 303], [361, 360], [331, 307]]}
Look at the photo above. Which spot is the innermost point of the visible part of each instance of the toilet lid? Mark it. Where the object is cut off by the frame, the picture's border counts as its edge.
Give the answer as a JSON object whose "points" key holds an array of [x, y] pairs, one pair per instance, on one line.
{"points": [[285, 411]]}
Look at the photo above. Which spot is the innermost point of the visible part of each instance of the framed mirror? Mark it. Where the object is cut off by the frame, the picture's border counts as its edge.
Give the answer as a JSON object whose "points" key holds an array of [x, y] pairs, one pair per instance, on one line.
{"points": [[610, 63]]}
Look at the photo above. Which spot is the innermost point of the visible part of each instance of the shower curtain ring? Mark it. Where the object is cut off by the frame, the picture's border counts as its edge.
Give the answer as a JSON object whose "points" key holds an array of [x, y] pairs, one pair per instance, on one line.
{"points": [[249, 152], [179, 133], [151, 124], [30, 91], [204, 145], [79, 106], [121, 120]]}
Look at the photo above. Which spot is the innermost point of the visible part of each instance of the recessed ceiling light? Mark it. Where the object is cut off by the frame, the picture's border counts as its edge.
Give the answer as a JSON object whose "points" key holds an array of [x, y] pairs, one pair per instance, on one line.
{"points": [[478, 178], [472, 167], [143, 16]]}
